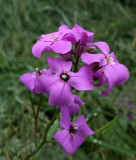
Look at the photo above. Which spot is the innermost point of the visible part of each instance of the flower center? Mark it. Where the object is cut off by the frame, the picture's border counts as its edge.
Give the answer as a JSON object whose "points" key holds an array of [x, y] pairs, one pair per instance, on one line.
{"points": [[38, 73], [110, 60], [54, 38], [73, 129], [65, 77]]}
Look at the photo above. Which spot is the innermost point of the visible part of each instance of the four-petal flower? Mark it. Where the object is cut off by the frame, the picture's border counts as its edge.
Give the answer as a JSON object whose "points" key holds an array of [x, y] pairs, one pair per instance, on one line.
{"points": [[73, 134], [111, 71], [59, 85]]}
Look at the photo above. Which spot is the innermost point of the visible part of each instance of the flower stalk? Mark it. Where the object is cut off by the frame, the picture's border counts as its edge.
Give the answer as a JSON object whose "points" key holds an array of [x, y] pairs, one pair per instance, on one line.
{"points": [[44, 140]]}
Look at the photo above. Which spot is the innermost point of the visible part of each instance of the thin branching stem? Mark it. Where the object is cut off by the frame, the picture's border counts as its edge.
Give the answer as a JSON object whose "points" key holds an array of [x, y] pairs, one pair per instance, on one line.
{"points": [[37, 113], [32, 106], [91, 118], [44, 140], [76, 64]]}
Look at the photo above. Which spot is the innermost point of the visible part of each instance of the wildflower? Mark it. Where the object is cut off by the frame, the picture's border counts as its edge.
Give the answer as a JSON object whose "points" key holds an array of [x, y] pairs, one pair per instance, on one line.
{"points": [[60, 84], [83, 34], [111, 70], [130, 117], [59, 42], [73, 134], [29, 79], [83, 37]]}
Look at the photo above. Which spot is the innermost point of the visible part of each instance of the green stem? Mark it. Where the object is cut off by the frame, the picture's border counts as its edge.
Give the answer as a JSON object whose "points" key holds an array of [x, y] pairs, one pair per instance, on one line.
{"points": [[76, 64], [33, 110], [32, 105], [36, 115], [45, 134], [47, 128], [91, 118], [107, 124]]}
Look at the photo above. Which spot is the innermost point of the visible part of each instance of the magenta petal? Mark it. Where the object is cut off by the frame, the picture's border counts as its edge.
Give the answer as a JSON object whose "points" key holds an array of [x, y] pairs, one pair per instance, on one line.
{"points": [[82, 80], [38, 87], [75, 107], [84, 38], [130, 117], [63, 27], [65, 121], [81, 30], [78, 100], [49, 71], [102, 78], [46, 81], [61, 137], [70, 35], [61, 46], [80, 121], [113, 55], [69, 142], [116, 74], [49, 37], [83, 128], [39, 47], [58, 65], [72, 143], [28, 79], [61, 94], [103, 46], [67, 56], [92, 58]]}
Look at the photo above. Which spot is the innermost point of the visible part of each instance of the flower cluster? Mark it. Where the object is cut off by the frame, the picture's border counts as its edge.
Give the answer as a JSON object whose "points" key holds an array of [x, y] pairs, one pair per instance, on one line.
{"points": [[64, 75]]}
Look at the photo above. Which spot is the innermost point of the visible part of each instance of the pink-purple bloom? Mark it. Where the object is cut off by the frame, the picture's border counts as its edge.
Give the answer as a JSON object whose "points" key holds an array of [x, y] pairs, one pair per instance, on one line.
{"points": [[110, 70], [59, 42], [82, 34], [29, 79], [130, 117], [59, 85], [64, 75], [72, 135]]}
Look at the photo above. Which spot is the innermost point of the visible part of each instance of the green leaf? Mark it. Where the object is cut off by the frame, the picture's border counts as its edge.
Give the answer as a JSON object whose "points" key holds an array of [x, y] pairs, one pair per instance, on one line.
{"points": [[111, 146], [52, 130]]}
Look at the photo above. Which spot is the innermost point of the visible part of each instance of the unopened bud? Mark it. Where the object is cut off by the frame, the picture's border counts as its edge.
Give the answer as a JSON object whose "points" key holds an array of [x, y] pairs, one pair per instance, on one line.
{"points": [[95, 114]]}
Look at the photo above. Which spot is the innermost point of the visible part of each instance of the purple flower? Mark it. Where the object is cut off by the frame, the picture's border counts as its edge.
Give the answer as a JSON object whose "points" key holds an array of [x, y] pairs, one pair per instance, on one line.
{"points": [[60, 84], [82, 34], [111, 71], [130, 117], [74, 107], [84, 37], [29, 79], [59, 42], [73, 134]]}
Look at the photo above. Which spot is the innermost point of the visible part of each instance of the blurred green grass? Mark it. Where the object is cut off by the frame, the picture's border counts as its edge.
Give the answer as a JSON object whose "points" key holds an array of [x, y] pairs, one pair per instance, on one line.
{"points": [[21, 24]]}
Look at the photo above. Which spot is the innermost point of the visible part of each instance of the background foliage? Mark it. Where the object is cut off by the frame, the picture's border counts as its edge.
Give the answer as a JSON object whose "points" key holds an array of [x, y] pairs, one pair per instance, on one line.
{"points": [[21, 23]]}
